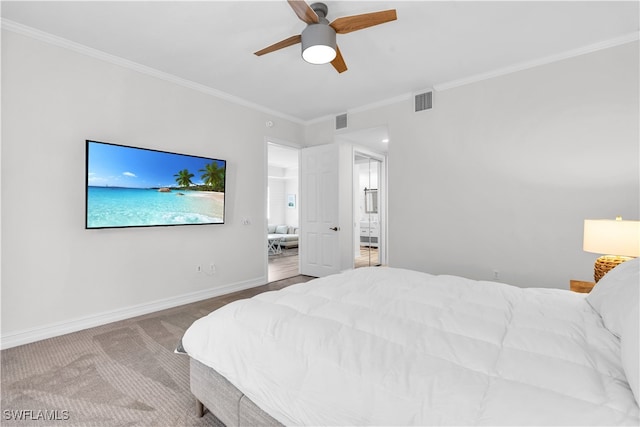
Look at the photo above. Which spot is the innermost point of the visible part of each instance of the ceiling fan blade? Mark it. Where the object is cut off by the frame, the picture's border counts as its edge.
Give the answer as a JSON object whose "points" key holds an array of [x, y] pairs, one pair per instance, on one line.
{"points": [[304, 11], [348, 24], [281, 44], [338, 62]]}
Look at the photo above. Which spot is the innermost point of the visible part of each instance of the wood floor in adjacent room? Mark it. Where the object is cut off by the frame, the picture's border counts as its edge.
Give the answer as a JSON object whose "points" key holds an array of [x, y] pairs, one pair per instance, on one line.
{"points": [[283, 265], [286, 264], [369, 257]]}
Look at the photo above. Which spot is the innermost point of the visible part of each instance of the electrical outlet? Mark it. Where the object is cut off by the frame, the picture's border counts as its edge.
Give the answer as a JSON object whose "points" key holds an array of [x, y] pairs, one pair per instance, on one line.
{"points": [[198, 269], [212, 268], [496, 275]]}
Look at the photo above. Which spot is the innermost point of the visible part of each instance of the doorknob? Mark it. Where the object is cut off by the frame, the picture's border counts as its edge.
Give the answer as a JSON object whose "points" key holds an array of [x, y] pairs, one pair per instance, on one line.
{"points": [[334, 228]]}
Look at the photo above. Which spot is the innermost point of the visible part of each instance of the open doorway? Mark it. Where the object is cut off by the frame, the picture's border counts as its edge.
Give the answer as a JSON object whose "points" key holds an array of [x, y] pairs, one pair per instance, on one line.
{"points": [[282, 212]]}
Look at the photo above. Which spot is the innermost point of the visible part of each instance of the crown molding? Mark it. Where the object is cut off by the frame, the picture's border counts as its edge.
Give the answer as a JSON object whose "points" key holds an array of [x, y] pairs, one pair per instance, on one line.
{"points": [[143, 69], [541, 61], [629, 38], [67, 44]]}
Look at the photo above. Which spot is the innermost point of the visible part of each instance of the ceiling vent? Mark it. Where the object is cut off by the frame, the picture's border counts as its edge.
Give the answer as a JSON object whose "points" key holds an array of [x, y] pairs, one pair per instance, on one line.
{"points": [[424, 101], [341, 121]]}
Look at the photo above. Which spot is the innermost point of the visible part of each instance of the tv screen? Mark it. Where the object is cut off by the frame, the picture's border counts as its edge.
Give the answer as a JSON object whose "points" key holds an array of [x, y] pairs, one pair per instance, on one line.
{"points": [[138, 187]]}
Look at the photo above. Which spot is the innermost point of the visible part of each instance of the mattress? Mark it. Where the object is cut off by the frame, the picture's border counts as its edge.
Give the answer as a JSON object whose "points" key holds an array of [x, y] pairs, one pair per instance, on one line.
{"points": [[385, 346]]}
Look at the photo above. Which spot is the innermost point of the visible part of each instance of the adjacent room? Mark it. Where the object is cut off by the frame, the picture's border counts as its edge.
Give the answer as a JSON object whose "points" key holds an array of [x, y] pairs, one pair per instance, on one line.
{"points": [[282, 212], [339, 213]]}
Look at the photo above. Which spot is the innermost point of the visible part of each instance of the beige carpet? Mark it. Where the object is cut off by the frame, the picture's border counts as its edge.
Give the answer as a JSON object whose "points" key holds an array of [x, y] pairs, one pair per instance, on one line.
{"points": [[122, 374]]}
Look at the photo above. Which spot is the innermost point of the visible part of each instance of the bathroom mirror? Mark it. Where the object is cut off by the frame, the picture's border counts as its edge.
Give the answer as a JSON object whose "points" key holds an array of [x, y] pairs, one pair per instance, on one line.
{"points": [[371, 200]]}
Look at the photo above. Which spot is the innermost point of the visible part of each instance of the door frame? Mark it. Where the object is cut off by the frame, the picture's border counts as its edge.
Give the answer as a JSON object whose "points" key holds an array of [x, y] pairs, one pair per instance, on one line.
{"points": [[349, 237], [265, 219], [382, 195]]}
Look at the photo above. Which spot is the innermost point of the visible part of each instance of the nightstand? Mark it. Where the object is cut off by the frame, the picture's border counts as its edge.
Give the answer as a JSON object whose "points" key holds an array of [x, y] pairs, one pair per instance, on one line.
{"points": [[581, 286]]}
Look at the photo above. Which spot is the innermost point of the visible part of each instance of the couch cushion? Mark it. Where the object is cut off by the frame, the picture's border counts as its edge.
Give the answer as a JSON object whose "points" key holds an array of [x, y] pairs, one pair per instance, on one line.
{"points": [[271, 228], [282, 229]]}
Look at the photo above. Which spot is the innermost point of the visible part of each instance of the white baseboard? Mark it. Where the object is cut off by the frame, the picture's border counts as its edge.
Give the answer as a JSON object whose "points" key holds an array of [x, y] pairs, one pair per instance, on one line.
{"points": [[14, 339]]}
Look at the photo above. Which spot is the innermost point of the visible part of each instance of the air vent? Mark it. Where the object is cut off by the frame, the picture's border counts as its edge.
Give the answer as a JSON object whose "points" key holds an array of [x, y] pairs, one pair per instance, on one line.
{"points": [[341, 121], [424, 101]]}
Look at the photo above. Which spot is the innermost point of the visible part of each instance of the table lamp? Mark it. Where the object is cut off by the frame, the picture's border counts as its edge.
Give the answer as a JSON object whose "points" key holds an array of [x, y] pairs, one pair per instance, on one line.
{"points": [[619, 240]]}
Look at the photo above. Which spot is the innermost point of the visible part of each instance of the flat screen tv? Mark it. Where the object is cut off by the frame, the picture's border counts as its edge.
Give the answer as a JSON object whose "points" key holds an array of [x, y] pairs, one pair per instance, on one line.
{"points": [[138, 187]]}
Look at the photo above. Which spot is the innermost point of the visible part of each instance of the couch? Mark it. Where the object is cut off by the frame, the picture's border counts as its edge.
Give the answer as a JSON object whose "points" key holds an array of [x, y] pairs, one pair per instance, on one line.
{"points": [[288, 235]]}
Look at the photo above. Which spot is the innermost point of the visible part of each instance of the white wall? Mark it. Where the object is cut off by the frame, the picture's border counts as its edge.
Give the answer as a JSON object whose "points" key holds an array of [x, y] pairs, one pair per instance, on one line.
{"points": [[291, 188], [504, 171], [283, 182], [56, 275], [276, 198], [501, 173]]}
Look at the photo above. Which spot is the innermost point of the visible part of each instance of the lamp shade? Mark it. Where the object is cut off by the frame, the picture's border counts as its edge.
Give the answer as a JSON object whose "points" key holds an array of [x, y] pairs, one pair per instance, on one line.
{"points": [[612, 237]]}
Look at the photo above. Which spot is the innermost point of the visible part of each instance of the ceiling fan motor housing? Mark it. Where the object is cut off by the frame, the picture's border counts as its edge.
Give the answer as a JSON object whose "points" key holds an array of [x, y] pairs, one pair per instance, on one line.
{"points": [[320, 9], [320, 34]]}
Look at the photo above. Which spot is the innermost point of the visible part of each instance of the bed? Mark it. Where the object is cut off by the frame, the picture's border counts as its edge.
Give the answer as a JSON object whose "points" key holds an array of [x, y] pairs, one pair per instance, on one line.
{"points": [[386, 346]]}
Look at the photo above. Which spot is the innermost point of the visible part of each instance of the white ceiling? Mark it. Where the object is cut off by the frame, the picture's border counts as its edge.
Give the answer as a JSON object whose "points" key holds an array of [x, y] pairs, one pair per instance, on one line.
{"points": [[431, 45]]}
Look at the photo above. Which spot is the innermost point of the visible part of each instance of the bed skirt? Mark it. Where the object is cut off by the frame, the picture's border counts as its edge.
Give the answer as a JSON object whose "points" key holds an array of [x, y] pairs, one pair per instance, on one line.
{"points": [[224, 400]]}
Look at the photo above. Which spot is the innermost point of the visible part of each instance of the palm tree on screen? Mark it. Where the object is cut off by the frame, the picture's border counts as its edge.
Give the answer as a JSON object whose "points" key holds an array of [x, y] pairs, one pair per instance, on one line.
{"points": [[183, 178], [212, 176]]}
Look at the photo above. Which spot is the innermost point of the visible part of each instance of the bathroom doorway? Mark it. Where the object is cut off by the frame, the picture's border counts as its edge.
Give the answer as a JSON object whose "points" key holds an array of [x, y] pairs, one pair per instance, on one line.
{"points": [[370, 148], [368, 210]]}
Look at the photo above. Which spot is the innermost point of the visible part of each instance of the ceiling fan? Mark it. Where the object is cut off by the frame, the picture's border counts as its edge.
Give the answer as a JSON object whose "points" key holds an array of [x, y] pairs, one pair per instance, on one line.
{"points": [[318, 39]]}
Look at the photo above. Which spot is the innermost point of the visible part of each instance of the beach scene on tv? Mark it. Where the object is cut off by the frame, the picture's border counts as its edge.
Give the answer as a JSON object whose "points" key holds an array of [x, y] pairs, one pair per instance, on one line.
{"points": [[135, 187]]}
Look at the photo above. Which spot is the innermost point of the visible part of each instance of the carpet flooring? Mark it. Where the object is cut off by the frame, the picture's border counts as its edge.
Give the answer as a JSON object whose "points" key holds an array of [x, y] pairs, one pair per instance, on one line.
{"points": [[121, 374]]}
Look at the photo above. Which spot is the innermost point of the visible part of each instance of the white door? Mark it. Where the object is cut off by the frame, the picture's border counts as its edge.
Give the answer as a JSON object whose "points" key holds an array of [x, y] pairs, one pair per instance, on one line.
{"points": [[319, 210]]}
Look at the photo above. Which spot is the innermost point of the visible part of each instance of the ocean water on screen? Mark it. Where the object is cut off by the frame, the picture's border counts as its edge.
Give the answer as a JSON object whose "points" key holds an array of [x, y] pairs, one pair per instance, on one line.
{"points": [[122, 207]]}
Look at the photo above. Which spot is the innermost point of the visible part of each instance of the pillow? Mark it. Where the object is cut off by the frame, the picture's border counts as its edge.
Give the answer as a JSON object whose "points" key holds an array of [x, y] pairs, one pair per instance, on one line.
{"points": [[616, 295], [271, 229], [630, 351], [282, 229]]}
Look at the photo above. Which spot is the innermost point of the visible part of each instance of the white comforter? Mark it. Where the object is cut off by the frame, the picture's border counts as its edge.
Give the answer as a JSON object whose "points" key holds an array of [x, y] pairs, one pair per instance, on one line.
{"points": [[383, 346]]}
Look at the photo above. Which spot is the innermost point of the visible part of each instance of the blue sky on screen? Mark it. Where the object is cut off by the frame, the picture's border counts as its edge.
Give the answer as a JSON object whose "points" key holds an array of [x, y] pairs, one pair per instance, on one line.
{"points": [[119, 166]]}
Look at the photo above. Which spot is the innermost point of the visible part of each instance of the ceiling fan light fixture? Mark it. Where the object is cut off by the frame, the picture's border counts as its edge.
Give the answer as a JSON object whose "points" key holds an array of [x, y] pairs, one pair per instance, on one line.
{"points": [[318, 44], [319, 54]]}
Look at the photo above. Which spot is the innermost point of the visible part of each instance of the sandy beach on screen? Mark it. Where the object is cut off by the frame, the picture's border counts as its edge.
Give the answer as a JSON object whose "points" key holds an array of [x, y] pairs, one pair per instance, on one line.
{"points": [[215, 195]]}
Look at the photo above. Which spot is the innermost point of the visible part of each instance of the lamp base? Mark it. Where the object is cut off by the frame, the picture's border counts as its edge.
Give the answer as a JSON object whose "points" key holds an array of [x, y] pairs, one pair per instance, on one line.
{"points": [[606, 263]]}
